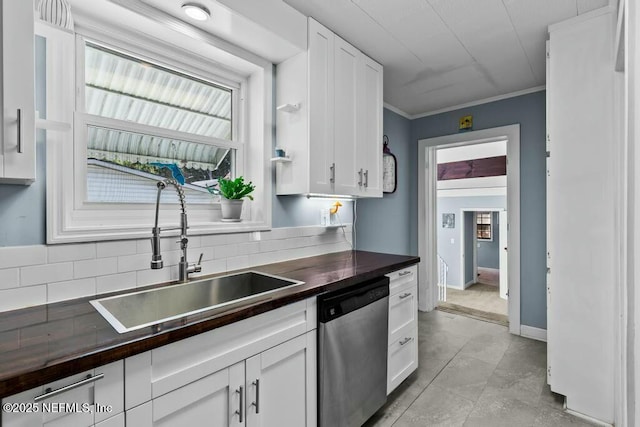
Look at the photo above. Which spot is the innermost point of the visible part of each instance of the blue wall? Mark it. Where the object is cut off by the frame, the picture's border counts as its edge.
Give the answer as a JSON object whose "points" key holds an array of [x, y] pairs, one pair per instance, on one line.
{"points": [[488, 250], [384, 225], [22, 208], [450, 252], [529, 111]]}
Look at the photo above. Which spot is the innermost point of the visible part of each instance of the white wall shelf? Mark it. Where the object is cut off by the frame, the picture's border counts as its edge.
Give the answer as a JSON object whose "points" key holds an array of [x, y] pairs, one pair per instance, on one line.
{"points": [[286, 159], [289, 108]]}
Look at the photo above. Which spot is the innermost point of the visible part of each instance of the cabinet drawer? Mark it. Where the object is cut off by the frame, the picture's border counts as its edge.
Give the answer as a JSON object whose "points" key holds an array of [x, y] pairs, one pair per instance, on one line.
{"points": [[402, 358], [403, 310], [80, 400], [402, 277], [172, 366]]}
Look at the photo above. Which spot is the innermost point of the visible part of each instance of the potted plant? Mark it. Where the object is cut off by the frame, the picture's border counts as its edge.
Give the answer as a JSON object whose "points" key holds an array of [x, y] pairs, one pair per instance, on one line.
{"points": [[233, 192]]}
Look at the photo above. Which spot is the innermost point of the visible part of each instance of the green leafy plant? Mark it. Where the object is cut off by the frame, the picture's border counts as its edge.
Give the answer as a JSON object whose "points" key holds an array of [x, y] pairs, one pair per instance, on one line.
{"points": [[234, 189]]}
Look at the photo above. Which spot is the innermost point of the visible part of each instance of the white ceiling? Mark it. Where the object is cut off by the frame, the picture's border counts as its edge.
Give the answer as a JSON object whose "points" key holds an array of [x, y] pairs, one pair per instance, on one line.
{"points": [[443, 53]]}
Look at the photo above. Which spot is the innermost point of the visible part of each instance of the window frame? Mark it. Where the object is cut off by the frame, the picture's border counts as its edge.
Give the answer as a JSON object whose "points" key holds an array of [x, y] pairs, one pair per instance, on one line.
{"points": [[69, 217], [490, 214]]}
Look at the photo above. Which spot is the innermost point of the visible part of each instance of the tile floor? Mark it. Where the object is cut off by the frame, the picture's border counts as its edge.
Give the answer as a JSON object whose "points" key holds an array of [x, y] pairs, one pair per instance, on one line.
{"points": [[474, 373]]}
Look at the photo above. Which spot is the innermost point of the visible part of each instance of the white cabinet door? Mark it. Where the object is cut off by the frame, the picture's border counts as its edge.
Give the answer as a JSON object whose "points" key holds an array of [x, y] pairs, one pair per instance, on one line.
{"points": [[17, 158], [217, 398], [349, 173], [321, 103], [581, 222], [370, 126], [281, 385]]}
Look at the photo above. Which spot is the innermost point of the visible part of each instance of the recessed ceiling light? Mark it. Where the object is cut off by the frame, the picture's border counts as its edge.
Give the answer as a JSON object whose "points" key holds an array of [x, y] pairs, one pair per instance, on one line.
{"points": [[196, 11]]}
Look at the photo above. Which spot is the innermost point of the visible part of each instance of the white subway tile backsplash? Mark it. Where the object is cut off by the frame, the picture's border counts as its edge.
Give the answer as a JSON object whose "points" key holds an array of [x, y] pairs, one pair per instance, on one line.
{"points": [[72, 271], [212, 267], [226, 251], [133, 262], [116, 282], [150, 277], [238, 262], [22, 255], [95, 267], [119, 248], [9, 278], [214, 240], [11, 299], [46, 273], [61, 291], [71, 252]]}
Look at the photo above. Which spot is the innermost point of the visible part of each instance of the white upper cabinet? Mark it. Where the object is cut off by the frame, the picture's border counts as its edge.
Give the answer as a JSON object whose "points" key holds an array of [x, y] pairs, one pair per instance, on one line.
{"points": [[17, 148], [329, 119]]}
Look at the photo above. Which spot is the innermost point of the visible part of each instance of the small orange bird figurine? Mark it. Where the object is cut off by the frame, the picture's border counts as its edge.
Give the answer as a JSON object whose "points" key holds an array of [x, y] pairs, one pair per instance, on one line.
{"points": [[335, 208]]}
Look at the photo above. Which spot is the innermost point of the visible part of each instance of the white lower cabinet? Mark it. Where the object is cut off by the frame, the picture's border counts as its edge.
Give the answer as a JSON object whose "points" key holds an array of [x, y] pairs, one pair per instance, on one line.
{"points": [[93, 397], [258, 372], [274, 388], [403, 326]]}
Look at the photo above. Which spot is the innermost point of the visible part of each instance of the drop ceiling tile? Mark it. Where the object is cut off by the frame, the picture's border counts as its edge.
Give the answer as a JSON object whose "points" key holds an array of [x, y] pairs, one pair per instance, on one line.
{"points": [[585, 6], [419, 28], [530, 20]]}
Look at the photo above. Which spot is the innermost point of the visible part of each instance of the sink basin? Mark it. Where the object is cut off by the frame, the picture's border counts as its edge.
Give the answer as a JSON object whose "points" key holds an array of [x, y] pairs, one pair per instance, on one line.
{"points": [[138, 310]]}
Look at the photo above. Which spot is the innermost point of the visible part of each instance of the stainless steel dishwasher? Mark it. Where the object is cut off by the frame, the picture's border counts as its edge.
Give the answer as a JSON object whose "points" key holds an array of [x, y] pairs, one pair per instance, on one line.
{"points": [[352, 353]]}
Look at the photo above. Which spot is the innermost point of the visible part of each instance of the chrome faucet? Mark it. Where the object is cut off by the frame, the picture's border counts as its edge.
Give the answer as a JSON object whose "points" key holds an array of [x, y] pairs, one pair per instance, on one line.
{"points": [[156, 259]]}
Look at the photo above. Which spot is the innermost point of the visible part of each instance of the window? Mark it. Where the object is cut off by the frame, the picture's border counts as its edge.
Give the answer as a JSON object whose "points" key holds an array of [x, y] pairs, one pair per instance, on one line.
{"points": [[484, 226], [155, 115], [119, 102]]}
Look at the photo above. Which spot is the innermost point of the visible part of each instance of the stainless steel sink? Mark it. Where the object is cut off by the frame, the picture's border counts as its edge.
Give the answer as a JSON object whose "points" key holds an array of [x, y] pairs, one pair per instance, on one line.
{"points": [[138, 310]]}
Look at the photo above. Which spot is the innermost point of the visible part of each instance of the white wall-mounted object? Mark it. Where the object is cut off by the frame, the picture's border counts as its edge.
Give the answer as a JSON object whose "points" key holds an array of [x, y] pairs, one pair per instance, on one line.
{"points": [[336, 135], [18, 145], [403, 326], [582, 248], [56, 12], [288, 108], [103, 385]]}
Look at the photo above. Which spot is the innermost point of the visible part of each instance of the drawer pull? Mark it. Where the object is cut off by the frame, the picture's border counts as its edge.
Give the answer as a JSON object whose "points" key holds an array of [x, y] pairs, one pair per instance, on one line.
{"points": [[404, 273], [406, 340], [241, 405], [19, 123], [257, 402], [50, 393], [403, 296]]}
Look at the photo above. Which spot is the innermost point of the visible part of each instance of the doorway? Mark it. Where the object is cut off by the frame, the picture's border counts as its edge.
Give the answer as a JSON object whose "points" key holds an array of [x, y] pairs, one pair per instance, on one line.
{"points": [[429, 221], [481, 291]]}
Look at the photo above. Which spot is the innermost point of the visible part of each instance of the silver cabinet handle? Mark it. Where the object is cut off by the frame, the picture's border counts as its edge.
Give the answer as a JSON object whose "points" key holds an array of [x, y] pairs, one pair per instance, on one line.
{"points": [[360, 180], [19, 122], [366, 178], [50, 393], [241, 405], [403, 296], [406, 340], [404, 273], [256, 403], [332, 168]]}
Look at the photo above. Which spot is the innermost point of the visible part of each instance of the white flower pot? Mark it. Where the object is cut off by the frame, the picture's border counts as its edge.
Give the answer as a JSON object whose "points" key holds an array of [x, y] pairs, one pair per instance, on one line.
{"points": [[231, 209]]}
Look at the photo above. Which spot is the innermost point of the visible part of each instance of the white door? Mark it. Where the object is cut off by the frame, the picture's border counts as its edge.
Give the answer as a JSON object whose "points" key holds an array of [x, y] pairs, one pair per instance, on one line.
{"points": [[502, 247], [215, 398], [321, 100], [280, 385], [349, 173]]}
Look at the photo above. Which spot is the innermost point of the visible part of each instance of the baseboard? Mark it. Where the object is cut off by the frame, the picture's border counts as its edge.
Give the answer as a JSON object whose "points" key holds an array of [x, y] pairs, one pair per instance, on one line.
{"points": [[458, 288], [533, 333], [469, 283], [592, 420]]}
